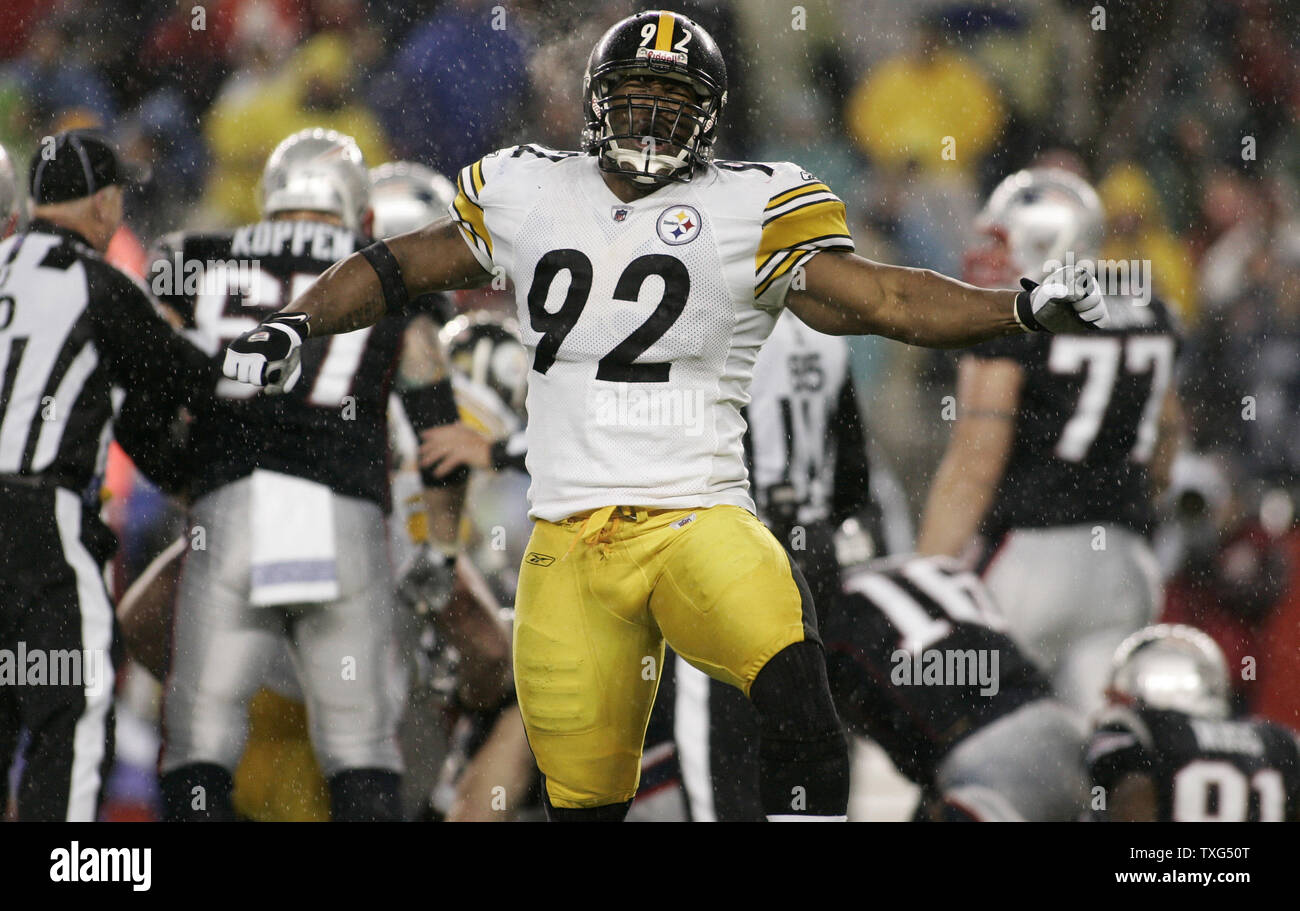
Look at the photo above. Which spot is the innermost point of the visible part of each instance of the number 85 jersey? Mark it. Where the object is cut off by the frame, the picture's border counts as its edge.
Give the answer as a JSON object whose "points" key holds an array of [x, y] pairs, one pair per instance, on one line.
{"points": [[642, 319]]}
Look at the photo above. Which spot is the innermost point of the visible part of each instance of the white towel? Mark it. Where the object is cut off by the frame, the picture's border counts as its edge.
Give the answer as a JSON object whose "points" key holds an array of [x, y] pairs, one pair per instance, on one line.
{"points": [[292, 540]]}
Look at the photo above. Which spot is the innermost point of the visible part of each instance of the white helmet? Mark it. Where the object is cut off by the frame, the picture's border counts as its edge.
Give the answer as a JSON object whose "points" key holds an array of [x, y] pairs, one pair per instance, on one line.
{"points": [[406, 196], [8, 187], [318, 170], [1172, 667], [1044, 213]]}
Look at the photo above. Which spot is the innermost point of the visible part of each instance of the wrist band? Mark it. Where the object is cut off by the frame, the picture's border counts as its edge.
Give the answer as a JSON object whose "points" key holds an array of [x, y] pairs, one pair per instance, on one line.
{"points": [[1024, 313]]}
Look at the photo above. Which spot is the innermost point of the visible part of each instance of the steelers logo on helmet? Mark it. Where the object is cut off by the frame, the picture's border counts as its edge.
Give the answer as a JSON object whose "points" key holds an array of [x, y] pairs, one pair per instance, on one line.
{"points": [[653, 135], [679, 225]]}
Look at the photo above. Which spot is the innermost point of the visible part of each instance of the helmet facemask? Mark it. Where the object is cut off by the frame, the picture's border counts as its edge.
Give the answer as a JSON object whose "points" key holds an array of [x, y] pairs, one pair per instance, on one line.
{"points": [[650, 138]]}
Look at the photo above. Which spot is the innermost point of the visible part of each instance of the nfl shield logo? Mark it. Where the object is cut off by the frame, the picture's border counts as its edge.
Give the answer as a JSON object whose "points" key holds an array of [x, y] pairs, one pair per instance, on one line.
{"points": [[621, 213]]}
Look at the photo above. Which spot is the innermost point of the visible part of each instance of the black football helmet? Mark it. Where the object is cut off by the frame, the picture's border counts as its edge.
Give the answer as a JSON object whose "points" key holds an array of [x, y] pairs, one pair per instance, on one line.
{"points": [[486, 348], [651, 138]]}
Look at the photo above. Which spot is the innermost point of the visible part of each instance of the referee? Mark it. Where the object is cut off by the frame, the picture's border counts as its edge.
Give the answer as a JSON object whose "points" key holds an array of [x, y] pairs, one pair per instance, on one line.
{"points": [[72, 329]]}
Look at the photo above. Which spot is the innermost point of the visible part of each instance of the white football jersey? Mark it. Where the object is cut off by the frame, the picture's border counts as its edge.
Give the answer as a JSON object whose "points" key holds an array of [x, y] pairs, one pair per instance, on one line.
{"points": [[643, 320]]}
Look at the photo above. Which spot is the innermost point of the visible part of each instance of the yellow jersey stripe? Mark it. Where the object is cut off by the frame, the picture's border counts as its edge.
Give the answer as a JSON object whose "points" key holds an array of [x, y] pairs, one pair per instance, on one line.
{"points": [[664, 34], [470, 216], [476, 176], [797, 226], [815, 198], [814, 186], [826, 242], [781, 270]]}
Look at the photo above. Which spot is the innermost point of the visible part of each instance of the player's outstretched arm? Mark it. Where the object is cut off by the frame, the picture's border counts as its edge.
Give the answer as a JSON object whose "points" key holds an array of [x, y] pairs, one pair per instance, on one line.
{"points": [[351, 294], [844, 294], [354, 293]]}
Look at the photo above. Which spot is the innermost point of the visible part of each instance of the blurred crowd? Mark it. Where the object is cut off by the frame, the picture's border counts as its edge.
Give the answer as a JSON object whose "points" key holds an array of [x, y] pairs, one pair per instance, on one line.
{"points": [[1185, 116]]}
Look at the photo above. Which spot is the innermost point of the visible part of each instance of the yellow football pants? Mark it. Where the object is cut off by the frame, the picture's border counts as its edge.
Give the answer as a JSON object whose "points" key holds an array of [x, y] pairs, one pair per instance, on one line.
{"points": [[598, 595]]}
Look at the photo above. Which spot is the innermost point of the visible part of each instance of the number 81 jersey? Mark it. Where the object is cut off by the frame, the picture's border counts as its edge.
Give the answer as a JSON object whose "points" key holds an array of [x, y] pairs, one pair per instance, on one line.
{"points": [[1202, 770], [643, 319]]}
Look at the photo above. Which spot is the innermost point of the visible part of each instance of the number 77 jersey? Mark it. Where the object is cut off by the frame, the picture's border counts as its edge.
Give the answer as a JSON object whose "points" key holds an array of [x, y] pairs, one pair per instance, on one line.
{"points": [[1087, 422], [642, 319]]}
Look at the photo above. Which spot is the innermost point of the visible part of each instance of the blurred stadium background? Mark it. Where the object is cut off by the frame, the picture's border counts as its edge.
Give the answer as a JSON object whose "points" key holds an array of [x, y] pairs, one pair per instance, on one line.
{"points": [[1185, 115]]}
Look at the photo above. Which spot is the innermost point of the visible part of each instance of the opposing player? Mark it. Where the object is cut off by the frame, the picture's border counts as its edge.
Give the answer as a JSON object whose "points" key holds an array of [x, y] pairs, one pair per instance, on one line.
{"points": [[1055, 446], [486, 353], [290, 499], [919, 663], [1165, 750], [647, 275]]}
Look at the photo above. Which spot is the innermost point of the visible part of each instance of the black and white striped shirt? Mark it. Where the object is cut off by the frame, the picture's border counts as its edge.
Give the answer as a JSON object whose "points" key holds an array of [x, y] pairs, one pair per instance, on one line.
{"points": [[76, 334]]}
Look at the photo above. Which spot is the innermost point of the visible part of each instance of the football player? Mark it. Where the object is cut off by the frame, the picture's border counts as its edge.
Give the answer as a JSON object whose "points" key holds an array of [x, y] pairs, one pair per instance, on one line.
{"points": [[1165, 750], [486, 353], [284, 484], [488, 770], [919, 663], [1055, 447], [646, 276]]}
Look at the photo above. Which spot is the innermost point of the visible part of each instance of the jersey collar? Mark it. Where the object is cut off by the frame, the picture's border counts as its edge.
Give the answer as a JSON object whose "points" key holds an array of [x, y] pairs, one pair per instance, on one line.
{"points": [[43, 226]]}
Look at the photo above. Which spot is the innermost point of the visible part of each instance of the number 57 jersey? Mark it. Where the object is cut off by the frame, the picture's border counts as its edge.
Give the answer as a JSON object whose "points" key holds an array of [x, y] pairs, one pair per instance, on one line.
{"points": [[332, 427], [642, 319]]}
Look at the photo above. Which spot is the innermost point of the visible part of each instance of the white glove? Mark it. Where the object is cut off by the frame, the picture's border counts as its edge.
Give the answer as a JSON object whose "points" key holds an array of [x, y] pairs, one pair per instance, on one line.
{"points": [[1068, 300], [270, 355]]}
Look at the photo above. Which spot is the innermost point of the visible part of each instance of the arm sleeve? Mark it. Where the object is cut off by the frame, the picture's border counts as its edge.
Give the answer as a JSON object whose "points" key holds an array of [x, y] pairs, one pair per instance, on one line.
{"points": [[143, 353], [851, 493], [798, 221]]}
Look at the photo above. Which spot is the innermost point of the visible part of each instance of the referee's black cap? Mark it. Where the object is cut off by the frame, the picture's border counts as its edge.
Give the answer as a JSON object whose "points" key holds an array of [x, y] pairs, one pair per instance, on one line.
{"points": [[77, 163]]}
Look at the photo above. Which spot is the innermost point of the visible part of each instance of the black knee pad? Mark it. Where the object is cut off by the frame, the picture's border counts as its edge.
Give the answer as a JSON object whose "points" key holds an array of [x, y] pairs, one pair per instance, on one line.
{"points": [[803, 755], [614, 812], [793, 697], [365, 795], [200, 792]]}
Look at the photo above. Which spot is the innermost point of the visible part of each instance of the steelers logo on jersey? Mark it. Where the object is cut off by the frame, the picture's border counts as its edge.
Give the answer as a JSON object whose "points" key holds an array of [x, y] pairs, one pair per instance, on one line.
{"points": [[679, 225]]}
